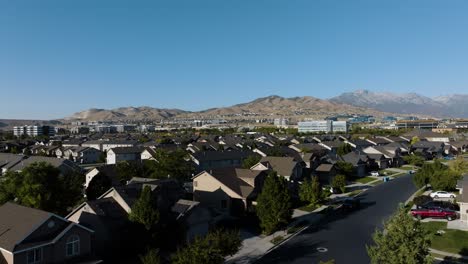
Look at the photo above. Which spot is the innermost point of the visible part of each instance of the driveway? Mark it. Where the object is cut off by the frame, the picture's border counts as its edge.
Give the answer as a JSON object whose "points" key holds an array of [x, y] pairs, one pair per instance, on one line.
{"points": [[344, 237]]}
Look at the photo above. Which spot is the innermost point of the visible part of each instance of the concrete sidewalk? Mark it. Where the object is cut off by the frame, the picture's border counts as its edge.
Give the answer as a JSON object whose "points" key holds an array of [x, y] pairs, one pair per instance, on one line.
{"points": [[447, 254], [255, 247]]}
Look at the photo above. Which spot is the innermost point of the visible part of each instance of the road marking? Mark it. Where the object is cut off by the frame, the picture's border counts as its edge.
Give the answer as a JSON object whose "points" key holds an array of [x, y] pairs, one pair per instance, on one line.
{"points": [[322, 249]]}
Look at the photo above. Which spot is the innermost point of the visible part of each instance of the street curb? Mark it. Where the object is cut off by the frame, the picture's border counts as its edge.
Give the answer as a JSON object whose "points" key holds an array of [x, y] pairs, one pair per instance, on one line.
{"points": [[448, 254], [287, 239]]}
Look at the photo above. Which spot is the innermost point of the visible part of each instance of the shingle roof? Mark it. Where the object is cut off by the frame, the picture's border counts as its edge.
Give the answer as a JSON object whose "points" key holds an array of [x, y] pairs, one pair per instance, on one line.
{"points": [[223, 155], [324, 167], [127, 150], [282, 165], [16, 222]]}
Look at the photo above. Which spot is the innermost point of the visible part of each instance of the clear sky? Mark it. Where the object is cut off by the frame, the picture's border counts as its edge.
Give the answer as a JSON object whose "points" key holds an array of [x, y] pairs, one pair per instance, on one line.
{"points": [[60, 57]]}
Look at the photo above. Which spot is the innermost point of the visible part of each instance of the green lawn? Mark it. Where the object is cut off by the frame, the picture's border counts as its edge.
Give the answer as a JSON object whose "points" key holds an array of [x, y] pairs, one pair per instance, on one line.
{"points": [[365, 180], [407, 167], [387, 172], [453, 241]]}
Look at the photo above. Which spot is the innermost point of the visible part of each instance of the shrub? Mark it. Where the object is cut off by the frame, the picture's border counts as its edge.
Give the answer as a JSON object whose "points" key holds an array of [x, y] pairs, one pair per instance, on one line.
{"points": [[420, 200]]}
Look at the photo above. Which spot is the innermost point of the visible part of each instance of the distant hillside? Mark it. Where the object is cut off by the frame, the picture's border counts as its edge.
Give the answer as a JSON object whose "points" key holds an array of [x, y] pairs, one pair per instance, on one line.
{"points": [[409, 103], [295, 106], [126, 113]]}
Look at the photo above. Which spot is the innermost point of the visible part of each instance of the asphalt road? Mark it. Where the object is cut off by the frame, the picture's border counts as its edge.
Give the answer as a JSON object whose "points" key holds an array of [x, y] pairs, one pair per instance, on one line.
{"points": [[344, 237]]}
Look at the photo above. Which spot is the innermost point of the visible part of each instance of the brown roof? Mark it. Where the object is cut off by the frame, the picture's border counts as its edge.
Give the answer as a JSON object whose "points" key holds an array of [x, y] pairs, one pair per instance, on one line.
{"points": [[236, 179], [282, 165], [17, 222], [325, 167]]}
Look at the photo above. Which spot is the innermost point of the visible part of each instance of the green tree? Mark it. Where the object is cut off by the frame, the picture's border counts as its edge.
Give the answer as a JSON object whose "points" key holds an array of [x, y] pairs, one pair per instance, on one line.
{"points": [[345, 168], [211, 249], [444, 180], [416, 160], [339, 182], [40, 185], [127, 170], [310, 191], [250, 161], [97, 186], [174, 164], [344, 149], [414, 140], [151, 257], [404, 241], [274, 206], [144, 210]]}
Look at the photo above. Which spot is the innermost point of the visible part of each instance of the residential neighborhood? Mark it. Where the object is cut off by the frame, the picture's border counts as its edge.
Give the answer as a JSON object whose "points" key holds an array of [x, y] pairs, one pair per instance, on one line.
{"points": [[203, 180]]}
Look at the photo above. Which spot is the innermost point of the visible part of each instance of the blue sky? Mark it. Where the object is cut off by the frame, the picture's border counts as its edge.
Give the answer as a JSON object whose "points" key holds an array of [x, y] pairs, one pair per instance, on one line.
{"points": [[60, 57]]}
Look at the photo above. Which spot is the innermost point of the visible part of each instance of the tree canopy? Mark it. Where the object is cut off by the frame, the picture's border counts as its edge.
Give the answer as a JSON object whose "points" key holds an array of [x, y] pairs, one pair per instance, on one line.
{"points": [[274, 206], [144, 210], [310, 191], [344, 149], [404, 242], [439, 176], [211, 249], [250, 161], [41, 185]]}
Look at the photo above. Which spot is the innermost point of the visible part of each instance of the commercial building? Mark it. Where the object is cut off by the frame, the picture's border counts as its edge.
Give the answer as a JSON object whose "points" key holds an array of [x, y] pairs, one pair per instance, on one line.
{"points": [[420, 124], [281, 122], [33, 131], [323, 126]]}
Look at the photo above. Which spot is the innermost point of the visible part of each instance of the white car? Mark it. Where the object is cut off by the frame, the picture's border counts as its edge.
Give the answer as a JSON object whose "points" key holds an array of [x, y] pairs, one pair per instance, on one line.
{"points": [[374, 173], [442, 194]]}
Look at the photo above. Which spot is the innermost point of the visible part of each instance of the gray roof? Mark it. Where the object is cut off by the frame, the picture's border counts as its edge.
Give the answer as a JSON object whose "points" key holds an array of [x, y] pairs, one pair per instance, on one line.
{"points": [[19, 222], [127, 150]]}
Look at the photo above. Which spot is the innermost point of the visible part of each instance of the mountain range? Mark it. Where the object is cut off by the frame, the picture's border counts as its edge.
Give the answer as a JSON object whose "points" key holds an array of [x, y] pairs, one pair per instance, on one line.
{"points": [[357, 102], [454, 105]]}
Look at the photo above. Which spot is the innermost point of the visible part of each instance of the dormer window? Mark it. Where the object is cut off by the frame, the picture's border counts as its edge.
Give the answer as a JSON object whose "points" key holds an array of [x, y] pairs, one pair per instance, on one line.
{"points": [[73, 246]]}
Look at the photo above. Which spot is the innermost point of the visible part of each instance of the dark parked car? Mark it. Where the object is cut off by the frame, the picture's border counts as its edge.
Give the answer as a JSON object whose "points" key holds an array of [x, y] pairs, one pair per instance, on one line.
{"points": [[350, 204], [441, 205], [434, 213]]}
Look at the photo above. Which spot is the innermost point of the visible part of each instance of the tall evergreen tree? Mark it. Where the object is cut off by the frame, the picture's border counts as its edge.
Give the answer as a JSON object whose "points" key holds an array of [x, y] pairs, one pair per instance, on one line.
{"points": [[404, 241], [311, 191], [144, 210], [274, 207]]}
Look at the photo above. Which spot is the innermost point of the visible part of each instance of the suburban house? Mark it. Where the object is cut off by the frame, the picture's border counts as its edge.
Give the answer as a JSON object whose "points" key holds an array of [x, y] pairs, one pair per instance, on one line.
{"points": [[106, 170], [429, 149], [196, 218], [228, 191], [207, 160], [426, 135], [326, 173], [32, 236], [108, 214], [393, 153], [148, 154], [13, 162], [286, 167], [462, 199], [460, 146], [361, 162], [106, 145], [119, 154], [82, 155]]}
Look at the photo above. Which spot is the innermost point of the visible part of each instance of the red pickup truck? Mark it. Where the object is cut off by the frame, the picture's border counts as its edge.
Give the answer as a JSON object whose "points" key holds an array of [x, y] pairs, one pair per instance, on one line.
{"points": [[434, 213]]}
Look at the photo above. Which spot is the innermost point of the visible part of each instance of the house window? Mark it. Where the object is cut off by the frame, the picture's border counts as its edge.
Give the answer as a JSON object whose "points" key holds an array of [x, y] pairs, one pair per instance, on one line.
{"points": [[73, 246], [223, 204], [35, 256], [195, 183]]}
